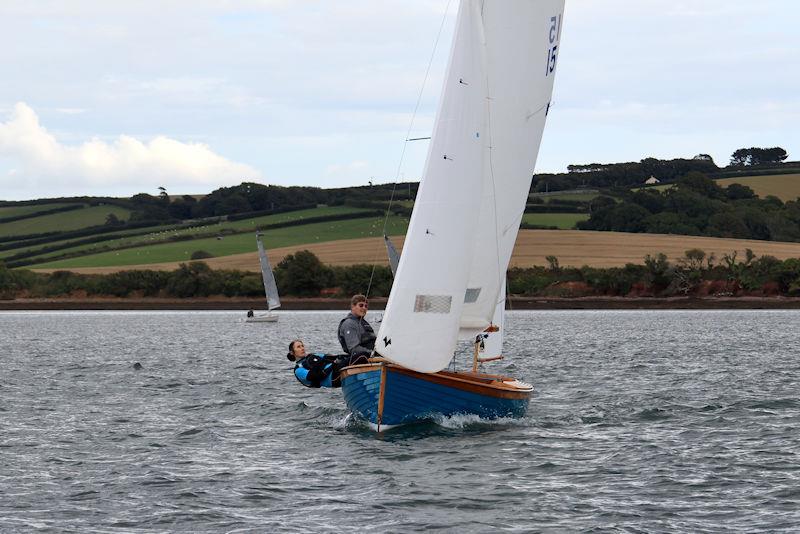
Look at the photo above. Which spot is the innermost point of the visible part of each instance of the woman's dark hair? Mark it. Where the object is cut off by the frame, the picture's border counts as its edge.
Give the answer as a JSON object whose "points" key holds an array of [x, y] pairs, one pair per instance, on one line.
{"points": [[290, 356]]}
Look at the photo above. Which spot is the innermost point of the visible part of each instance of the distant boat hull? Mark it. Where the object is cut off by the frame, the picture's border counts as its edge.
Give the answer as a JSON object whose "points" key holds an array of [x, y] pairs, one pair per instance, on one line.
{"points": [[270, 318], [409, 396]]}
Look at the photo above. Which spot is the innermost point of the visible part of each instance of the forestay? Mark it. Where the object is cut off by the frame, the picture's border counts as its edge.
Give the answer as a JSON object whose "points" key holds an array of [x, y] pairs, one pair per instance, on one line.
{"points": [[270, 287], [478, 171]]}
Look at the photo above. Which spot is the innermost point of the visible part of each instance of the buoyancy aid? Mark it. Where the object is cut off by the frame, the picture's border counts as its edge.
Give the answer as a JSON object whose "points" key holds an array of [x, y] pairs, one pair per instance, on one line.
{"points": [[315, 370], [366, 335]]}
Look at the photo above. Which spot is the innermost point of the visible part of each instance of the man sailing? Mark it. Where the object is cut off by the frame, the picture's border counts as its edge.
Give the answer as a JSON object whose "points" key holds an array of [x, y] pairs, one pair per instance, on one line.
{"points": [[355, 334]]}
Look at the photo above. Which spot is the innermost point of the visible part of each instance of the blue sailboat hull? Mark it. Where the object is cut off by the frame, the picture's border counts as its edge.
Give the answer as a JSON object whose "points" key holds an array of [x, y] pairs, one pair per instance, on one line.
{"points": [[409, 396]]}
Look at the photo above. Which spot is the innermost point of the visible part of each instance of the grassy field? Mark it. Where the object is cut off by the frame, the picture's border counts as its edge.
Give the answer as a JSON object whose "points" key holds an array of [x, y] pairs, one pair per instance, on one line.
{"points": [[571, 247], [236, 244], [662, 187], [564, 221], [13, 211], [161, 234], [578, 197], [784, 186], [68, 220], [120, 235]]}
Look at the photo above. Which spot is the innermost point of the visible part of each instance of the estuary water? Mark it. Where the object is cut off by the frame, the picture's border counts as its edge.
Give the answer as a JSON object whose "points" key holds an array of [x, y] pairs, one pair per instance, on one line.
{"points": [[643, 421]]}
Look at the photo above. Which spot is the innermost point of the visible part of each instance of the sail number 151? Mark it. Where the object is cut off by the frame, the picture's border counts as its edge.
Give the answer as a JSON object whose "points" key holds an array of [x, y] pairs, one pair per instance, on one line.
{"points": [[552, 49]]}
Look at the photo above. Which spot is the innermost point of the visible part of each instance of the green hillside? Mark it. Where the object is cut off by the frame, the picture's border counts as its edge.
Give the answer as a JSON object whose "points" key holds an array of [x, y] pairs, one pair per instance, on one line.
{"points": [[15, 211], [156, 229], [172, 233], [565, 195], [237, 243], [59, 222]]}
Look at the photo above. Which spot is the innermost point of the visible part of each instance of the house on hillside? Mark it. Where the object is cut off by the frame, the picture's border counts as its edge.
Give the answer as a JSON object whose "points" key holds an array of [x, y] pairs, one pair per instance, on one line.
{"points": [[652, 181]]}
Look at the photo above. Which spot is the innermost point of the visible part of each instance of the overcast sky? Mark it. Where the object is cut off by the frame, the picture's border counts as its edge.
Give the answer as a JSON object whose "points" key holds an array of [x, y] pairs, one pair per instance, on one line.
{"points": [[115, 98]]}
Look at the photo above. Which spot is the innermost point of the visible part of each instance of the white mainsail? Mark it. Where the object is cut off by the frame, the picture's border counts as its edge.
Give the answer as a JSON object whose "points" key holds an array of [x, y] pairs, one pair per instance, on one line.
{"points": [[270, 287], [519, 90], [474, 189]]}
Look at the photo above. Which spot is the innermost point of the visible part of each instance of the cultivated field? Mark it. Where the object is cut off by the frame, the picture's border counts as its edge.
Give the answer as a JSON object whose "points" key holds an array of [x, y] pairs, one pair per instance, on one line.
{"points": [[571, 247], [784, 186], [68, 220], [165, 233], [181, 251], [13, 211], [556, 197]]}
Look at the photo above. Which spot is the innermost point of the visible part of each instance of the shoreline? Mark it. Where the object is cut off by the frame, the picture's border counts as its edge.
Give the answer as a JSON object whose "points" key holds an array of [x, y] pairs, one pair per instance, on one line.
{"points": [[378, 304]]}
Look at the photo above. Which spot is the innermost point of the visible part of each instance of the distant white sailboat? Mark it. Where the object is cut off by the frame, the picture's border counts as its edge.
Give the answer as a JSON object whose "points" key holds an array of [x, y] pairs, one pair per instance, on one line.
{"points": [[270, 288]]}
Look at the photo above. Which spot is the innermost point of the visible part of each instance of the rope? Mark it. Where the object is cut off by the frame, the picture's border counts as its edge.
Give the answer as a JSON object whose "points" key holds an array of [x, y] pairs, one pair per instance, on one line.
{"points": [[405, 143], [497, 234]]}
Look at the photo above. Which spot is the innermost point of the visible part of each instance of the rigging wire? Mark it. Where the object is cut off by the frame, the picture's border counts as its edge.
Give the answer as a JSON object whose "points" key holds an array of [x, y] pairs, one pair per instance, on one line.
{"points": [[407, 139], [497, 235]]}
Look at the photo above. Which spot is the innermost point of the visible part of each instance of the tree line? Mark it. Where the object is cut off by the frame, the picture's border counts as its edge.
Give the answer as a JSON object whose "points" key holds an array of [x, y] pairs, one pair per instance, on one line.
{"points": [[303, 275], [632, 174], [697, 205], [748, 157], [694, 274], [250, 199], [300, 275]]}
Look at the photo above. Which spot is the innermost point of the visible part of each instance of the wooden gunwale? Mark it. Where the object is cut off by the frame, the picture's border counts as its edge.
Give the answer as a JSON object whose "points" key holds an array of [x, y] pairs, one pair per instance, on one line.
{"points": [[479, 383]]}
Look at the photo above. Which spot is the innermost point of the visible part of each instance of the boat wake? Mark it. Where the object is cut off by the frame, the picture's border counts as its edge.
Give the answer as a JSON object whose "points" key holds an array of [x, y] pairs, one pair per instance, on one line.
{"points": [[473, 422], [457, 422]]}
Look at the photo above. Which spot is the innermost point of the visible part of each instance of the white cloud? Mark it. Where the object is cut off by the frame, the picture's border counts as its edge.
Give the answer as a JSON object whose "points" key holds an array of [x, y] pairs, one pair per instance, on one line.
{"points": [[126, 163]]}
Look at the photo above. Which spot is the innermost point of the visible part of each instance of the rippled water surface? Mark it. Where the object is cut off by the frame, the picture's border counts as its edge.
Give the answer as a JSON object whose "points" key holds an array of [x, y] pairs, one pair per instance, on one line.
{"points": [[653, 421]]}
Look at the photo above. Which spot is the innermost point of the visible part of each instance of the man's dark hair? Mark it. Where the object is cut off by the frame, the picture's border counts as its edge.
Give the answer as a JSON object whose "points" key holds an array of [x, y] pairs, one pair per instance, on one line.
{"points": [[356, 299]]}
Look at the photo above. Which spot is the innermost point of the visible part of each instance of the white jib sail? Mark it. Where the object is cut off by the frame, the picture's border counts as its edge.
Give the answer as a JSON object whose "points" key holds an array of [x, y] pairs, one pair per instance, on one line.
{"points": [[420, 326], [493, 343], [270, 287], [522, 47]]}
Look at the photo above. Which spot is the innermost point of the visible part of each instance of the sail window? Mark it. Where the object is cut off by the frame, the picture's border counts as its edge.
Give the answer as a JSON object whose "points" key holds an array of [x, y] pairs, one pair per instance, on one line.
{"points": [[432, 303], [471, 295]]}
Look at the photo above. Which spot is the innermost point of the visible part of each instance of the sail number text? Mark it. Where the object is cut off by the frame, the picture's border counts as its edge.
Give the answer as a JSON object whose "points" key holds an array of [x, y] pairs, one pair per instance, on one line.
{"points": [[552, 49]]}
